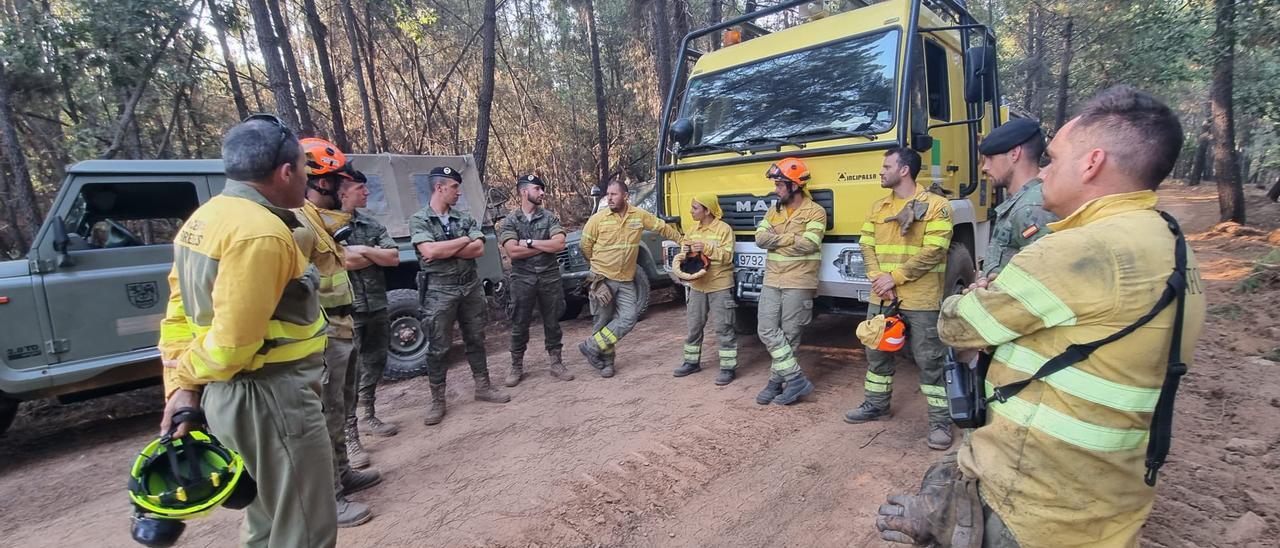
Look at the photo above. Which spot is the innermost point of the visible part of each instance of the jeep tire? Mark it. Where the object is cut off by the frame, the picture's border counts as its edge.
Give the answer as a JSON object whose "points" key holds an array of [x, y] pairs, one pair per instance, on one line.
{"points": [[407, 343]]}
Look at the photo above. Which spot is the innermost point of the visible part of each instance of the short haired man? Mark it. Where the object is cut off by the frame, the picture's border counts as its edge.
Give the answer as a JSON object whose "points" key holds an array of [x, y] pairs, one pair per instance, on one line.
{"points": [[1061, 461], [1011, 158], [532, 236], [448, 242], [243, 336], [904, 243], [611, 242]]}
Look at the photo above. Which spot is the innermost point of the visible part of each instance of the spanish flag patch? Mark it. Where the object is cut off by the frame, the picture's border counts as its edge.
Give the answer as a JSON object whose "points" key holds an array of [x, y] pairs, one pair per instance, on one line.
{"points": [[1030, 231]]}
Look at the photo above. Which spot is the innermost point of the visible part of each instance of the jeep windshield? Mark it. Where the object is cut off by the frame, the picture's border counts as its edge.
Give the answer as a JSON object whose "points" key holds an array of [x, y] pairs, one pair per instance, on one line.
{"points": [[831, 91]]}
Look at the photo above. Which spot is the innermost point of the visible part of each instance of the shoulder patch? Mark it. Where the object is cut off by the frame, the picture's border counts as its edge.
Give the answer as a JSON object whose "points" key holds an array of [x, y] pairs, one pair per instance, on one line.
{"points": [[1030, 231]]}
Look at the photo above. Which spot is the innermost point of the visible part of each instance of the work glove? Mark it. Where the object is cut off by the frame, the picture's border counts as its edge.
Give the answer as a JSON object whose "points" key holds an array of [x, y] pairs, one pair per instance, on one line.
{"points": [[598, 290], [946, 511]]}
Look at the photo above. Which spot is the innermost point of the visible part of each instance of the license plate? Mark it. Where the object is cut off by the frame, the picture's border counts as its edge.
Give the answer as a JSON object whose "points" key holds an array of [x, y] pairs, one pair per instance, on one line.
{"points": [[750, 260]]}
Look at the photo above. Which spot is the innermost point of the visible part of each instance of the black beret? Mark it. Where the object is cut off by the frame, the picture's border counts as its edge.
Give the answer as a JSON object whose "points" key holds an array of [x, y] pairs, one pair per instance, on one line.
{"points": [[1009, 135], [358, 176], [447, 172], [531, 180]]}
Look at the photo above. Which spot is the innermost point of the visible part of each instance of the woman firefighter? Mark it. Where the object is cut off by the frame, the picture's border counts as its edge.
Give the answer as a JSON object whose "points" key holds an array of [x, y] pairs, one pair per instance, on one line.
{"points": [[705, 263]]}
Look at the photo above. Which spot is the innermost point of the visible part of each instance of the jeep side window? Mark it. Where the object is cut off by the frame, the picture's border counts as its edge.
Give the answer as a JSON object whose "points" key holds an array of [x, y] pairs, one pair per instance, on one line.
{"points": [[113, 215]]}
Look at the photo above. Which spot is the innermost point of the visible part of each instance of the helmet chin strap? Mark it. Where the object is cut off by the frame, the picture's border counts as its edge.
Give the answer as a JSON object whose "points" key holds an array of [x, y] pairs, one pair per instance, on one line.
{"points": [[313, 184]]}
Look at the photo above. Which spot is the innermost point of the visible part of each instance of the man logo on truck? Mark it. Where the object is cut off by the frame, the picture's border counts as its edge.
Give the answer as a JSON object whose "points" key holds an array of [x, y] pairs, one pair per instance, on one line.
{"points": [[759, 205]]}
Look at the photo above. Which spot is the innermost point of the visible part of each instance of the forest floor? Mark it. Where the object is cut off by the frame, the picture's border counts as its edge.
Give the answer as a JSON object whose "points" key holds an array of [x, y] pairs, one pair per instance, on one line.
{"points": [[644, 459]]}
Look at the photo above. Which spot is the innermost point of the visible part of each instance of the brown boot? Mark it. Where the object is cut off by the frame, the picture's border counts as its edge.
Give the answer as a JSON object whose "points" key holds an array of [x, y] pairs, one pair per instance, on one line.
{"points": [[435, 413], [486, 391], [373, 424], [517, 370], [558, 369], [356, 454]]}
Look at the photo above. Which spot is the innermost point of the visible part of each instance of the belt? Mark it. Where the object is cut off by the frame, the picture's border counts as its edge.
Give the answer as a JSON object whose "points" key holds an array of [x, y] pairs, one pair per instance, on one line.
{"points": [[451, 279], [344, 310]]}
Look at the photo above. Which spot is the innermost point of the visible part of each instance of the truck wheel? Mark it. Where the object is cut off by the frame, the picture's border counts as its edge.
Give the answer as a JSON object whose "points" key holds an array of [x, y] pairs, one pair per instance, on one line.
{"points": [[960, 270], [642, 292], [407, 349], [8, 410], [745, 319], [572, 308]]}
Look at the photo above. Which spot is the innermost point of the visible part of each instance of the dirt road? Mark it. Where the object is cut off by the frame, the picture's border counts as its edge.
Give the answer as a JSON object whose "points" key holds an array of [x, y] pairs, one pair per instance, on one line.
{"points": [[643, 459]]}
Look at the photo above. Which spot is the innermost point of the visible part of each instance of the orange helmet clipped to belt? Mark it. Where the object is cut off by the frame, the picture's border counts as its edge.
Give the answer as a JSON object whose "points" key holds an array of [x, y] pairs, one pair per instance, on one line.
{"points": [[323, 157], [789, 169], [886, 332]]}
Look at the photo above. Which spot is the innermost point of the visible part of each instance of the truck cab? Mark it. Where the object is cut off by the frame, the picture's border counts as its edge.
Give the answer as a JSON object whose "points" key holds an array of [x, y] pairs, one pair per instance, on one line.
{"points": [[837, 91]]}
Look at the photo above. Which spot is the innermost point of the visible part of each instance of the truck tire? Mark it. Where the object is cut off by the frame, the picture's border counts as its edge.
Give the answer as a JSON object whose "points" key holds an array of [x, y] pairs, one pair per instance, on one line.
{"points": [[642, 292], [960, 270], [572, 308], [407, 346], [8, 410], [745, 319]]}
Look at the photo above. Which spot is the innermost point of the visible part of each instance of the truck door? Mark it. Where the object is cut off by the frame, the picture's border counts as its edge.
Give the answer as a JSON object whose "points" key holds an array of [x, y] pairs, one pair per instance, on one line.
{"points": [[110, 297], [948, 161]]}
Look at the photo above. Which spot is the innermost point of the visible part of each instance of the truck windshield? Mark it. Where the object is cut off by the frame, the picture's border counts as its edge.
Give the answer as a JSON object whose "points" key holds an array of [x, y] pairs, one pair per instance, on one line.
{"points": [[836, 90]]}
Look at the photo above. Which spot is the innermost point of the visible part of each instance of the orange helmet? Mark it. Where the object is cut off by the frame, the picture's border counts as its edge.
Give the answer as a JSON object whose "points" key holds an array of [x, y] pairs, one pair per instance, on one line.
{"points": [[789, 169], [323, 157], [886, 332]]}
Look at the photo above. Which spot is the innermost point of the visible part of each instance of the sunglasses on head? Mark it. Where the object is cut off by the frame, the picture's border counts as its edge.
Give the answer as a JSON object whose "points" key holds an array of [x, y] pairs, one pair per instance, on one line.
{"points": [[285, 132]]}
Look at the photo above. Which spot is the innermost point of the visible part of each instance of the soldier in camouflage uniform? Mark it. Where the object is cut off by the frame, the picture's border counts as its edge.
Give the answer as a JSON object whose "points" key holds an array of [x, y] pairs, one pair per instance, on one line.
{"points": [[369, 249], [1011, 158], [448, 242], [532, 236]]}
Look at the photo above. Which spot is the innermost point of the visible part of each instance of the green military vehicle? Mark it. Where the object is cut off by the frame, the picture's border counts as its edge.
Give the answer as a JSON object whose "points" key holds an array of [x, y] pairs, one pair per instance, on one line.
{"points": [[654, 260], [81, 313]]}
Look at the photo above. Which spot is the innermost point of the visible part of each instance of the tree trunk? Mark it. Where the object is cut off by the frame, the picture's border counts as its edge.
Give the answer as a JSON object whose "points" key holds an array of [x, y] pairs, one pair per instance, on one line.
{"points": [[662, 48], [715, 16], [1225, 162], [602, 128], [1060, 119], [233, 78], [1274, 193], [320, 35], [349, 14], [484, 103], [23, 197], [277, 79], [371, 54], [129, 108], [291, 63], [245, 46], [1202, 151]]}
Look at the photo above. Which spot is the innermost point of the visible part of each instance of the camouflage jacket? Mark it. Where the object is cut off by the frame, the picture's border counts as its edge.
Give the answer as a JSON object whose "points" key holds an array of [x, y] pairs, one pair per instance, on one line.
{"points": [[425, 226], [1020, 220], [370, 283], [542, 225]]}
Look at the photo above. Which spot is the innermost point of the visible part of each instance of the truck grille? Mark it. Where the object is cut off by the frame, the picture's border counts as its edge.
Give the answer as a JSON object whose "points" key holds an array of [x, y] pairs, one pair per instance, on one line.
{"points": [[744, 211]]}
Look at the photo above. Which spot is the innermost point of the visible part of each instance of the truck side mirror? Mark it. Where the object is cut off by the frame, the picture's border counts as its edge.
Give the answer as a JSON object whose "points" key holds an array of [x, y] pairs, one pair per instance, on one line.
{"points": [[980, 81], [681, 131], [921, 142], [61, 242]]}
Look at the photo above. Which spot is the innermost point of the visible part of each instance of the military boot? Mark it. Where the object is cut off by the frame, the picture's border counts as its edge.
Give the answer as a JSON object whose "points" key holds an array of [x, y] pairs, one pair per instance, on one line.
{"points": [[770, 391], [797, 387], [486, 392], [354, 481], [607, 371], [435, 413], [939, 437], [517, 370], [558, 369], [686, 369], [374, 425], [866, 412], [592, 353], [356, 455], [351, 513], [726, 376]]}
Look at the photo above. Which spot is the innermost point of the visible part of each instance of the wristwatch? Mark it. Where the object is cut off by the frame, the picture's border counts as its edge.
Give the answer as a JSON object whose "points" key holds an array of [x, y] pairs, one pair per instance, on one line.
{"points": [[529, 243]]}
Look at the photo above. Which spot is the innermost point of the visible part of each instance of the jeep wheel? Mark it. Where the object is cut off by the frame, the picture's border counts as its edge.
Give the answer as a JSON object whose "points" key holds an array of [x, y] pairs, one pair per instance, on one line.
{"points": [[960, 270], [8, 410], [407, 349]]}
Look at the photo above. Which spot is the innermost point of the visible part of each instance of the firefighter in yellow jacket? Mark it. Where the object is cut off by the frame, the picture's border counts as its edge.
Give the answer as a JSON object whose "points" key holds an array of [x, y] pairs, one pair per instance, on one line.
{"points": [[1061, 462], [705, 262], [791, 234], [244, 337], [904, 243]]}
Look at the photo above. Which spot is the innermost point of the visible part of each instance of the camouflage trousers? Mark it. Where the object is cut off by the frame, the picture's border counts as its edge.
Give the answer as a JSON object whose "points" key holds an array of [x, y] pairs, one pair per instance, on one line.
{"points": [[722, 306], [783, 313], [929, 354], [543, 293], [372, 334], [339, 396], [464, 304], [273, 418], [614, 320]]}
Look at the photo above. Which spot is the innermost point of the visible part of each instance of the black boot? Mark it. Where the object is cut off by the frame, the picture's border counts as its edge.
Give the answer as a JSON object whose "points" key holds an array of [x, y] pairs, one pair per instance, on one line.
{"points": [[687, 369], [866, 412], [770, 391], [726, 376], [797, 387]]}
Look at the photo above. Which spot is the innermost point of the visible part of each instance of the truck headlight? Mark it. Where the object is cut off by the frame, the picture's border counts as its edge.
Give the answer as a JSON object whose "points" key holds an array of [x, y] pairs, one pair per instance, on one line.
{"points": [[850, 264]]}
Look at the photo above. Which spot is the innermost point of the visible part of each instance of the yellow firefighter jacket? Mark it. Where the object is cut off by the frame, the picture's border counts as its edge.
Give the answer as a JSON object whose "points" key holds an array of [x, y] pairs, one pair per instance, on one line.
{"points": [[917, 259], [793, 239], [315, 240], [611, 241], [241, 294], [1062, 462], [717, 240]]}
